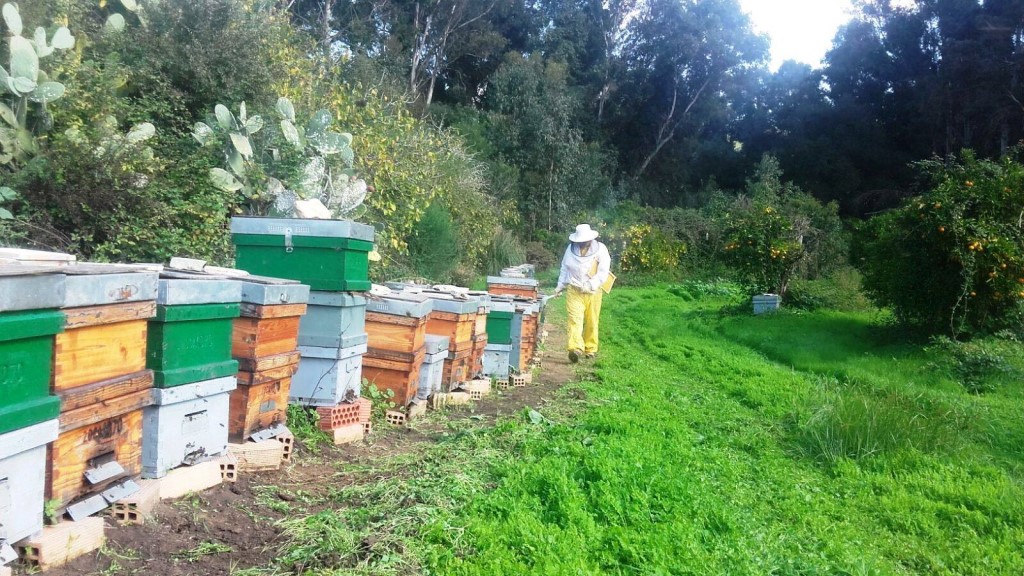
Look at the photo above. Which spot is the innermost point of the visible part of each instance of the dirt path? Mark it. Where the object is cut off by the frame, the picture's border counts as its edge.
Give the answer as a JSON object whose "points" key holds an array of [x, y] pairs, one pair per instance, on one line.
{"points": [[233, 526]]}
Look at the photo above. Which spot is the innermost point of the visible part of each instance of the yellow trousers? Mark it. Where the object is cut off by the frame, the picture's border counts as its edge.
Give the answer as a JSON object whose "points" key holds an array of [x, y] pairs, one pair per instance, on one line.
{"points": [[584, 313]]}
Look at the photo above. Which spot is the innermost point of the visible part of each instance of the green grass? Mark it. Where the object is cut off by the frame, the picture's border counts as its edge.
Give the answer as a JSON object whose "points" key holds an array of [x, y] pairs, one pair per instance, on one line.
{"points": [[814, 443]]}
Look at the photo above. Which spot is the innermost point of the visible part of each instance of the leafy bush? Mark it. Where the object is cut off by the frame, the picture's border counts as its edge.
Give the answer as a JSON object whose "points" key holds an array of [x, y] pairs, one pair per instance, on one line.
{"points": [[504, 250], [977, 366], [952, 259], [777, 233], [539, 255], [433, 246], [699, 289], [646, 250], [841, 290]]}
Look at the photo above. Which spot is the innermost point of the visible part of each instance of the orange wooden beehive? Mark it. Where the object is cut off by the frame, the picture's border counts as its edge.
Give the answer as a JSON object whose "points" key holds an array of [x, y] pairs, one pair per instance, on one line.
{"points": [[458, 367], [100, 343], [99, 423], [268, 331], [258, 406], [395, 371]]}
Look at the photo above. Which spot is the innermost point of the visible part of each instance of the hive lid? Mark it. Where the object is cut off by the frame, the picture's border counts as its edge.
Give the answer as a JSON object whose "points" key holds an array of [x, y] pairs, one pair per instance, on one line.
{"points": [[336, 299], [401, 304], [36, 257], [302, 227], [268, 291], [91, 284], [24, 287], [175, 289], [526, 282], [436, 344]]}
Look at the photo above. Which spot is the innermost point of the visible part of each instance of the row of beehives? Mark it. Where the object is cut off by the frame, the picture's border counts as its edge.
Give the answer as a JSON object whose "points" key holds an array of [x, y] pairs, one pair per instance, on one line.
{"points": [[112, 372]]}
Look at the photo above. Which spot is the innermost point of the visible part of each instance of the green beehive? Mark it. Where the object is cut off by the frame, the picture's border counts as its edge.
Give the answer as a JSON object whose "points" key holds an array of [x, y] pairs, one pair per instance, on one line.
{"points": [[328, 255], [26, 357], [190, 337], [499, 319]]}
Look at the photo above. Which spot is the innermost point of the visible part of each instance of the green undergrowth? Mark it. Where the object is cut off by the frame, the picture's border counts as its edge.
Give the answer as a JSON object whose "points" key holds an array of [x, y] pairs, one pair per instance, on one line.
{"points": [[703, 443]]}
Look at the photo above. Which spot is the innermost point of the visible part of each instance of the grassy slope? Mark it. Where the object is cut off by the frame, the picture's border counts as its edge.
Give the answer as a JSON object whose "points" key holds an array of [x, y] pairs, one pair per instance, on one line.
{"points": [[713, 445]]}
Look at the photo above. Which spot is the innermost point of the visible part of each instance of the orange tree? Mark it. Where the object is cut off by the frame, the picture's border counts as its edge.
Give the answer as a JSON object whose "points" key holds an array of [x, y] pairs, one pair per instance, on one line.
{"points": [[776, 232], [952, 259]]}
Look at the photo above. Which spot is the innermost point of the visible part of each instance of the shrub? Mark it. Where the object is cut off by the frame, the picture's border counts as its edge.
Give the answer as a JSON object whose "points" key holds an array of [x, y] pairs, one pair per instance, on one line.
{"points": [[433, 246], [841, 290], [539, 255], [647, 250], [777, 233], [975, 365], [952, 259], [504, 250]]}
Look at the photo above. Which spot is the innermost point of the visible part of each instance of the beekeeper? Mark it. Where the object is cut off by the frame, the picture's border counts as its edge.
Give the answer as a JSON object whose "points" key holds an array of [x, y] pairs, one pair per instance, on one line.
{"points": [[585, 269]]}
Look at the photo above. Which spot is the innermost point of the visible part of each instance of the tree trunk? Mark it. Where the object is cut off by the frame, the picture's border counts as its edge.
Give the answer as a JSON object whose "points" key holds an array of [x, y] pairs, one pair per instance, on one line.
{"points": [[669, 126]]}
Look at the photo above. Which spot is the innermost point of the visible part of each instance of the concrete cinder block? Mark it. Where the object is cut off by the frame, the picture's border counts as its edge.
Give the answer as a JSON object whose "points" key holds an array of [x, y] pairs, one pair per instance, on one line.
{"points": [[258, 456], [196, 478], [349, 434], [137, 508], [57, 545]]}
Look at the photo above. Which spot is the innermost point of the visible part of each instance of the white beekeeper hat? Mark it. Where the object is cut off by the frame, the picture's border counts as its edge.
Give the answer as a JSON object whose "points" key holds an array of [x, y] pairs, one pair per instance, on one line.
{"points": [[583, 233]]}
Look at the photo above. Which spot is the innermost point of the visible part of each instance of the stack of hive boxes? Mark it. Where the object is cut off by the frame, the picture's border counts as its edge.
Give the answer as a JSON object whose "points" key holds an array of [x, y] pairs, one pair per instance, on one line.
{"points": [[331, 257], [396, 326], [189, 351], [527, 288], [430, 383], [483, 303], [499, 336], [30, 299], [456, 319], [100, 375], [265, 342], [517, 282]]}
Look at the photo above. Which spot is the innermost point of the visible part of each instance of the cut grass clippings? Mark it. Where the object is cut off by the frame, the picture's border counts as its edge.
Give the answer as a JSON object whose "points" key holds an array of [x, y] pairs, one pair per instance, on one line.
{"points": [[706, 444]]}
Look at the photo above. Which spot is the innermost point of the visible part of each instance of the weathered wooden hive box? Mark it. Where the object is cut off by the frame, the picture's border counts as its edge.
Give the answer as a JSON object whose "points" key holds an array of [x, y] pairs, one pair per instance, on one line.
{"points": [[185, 425], [329, 376], [324, 254], [22, 479], [333, 320], [479, 333], [396, 327], [30, 318], [101, 378], [190, 339], [431, 371], [517, 355], [525, 324], [496, 360], [522, 287], [265, 344], [455, 319]]}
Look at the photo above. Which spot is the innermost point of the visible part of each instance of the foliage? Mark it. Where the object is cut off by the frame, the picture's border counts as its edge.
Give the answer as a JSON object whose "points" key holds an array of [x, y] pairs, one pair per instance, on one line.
{"points": [[691, 290], [646, 249], [433, 247], [841, 290], [28, 89], [304, 423], [503, 250], [778, 233], [963, 241], [540, 256], [976, 365], [848, 424]]}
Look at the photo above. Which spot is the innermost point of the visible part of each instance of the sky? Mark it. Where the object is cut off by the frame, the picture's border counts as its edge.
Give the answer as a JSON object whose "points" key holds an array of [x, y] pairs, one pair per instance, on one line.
{"points": [[800, 30]]}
